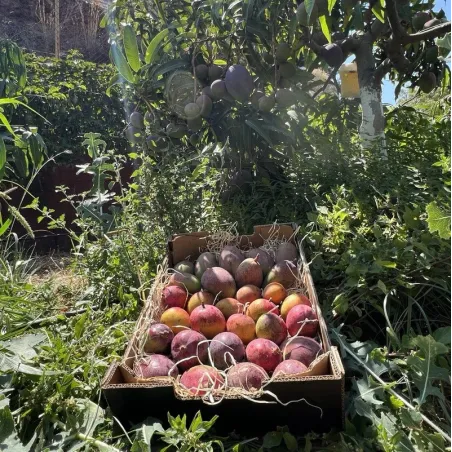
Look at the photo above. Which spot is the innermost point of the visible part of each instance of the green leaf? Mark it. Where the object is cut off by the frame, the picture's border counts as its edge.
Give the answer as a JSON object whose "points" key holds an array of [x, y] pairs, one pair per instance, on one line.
{"points": [[115, 80], [121, 63], [9, 439], [139, 445], [199, 169], [131, 48], [428, 346], [382, 286], [200, 427], [5, 225], [364, 409], [144, 434], [14, 364], [402, 443], [309, 4], [428, 441], [444, 42], [6, 123], [410, 419], [21, 162], [411, 217], [2, 158], [378, 10], [80, 325], [6, 423], [255, 125], [367, 391], [424, 372], [438, 220], [387, 264], [395, 402], [23, 346], [249, 9], [104, 21], [35, 150], [388, 422], [232, 5], [443, 335], [151, 51], [340, 303], [169, 66], [272, 439], [325, 24], [290, 442], [358, 20], [331, 4], [91, 415]]}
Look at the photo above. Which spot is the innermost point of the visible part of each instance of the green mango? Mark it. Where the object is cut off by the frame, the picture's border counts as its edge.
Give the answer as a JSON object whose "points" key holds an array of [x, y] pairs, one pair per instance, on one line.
{"points": [[186, 281]]}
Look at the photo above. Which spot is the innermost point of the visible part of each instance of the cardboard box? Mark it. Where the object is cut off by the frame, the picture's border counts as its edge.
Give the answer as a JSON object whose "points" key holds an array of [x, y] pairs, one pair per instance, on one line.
{"points": [[322, 389]]}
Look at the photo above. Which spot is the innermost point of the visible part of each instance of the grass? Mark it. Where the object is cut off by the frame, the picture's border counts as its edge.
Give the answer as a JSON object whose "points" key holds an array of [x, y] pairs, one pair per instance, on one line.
{"points": [[56, 275], [40, 289]]}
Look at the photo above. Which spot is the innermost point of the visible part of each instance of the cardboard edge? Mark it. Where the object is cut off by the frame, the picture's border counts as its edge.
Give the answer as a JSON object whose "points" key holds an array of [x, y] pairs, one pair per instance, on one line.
{"points": [[340, 366], [314, 299], [112, 369], [126, 363]]}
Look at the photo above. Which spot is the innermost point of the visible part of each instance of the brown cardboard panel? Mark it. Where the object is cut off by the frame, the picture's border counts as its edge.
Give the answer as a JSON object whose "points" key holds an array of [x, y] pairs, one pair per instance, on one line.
{"points": [[190, 245], [320, 411], [187, 246], [312, 403]]}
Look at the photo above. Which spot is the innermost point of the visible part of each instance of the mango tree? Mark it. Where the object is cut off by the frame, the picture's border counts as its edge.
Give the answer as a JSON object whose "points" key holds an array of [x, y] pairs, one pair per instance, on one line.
{"points": [[387, 37], [239, 73]]}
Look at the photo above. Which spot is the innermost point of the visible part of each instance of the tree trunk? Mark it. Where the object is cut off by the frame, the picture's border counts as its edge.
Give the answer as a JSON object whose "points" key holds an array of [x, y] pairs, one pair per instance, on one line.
{"points": [[373, 122]]}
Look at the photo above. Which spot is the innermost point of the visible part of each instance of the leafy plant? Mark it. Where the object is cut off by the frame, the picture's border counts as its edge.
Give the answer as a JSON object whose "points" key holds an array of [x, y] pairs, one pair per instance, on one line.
{"points": [[70, 93], [180, 437], [439, 214]]}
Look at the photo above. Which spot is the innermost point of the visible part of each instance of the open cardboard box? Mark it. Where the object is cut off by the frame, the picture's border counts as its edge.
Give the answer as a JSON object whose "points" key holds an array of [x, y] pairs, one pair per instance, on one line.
{"points": [[321, 388]]}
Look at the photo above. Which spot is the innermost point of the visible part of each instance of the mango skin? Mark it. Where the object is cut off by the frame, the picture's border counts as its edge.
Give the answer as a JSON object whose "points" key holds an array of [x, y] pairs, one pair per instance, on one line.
{"points": [[186, 281]]}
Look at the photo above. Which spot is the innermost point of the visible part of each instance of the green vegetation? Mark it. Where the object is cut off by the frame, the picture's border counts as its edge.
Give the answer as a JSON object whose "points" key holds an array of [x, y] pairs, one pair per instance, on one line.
{"points": [[71, 95], [377, 234]]}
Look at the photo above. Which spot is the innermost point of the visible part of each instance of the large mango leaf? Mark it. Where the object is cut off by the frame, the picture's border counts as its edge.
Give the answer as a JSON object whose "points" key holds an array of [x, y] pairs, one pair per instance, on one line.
{"points": [[131, 48], [121, 63]]}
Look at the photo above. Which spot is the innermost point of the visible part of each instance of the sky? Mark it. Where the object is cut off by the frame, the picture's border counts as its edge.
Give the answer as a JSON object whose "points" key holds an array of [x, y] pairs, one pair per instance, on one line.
{"points": [[388, 86]]}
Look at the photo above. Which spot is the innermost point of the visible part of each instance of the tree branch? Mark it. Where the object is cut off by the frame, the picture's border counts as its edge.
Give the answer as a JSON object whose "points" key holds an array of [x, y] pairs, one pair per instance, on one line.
{"points": [[330, 78], [382, 70], [377, 29], [396, 53], [429, 33], [311, 44], [349, 45], [393, 18]]}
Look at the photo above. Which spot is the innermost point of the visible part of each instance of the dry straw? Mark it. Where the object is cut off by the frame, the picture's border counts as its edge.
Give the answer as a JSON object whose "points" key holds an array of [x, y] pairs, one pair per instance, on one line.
{"points": [[218, 240]]}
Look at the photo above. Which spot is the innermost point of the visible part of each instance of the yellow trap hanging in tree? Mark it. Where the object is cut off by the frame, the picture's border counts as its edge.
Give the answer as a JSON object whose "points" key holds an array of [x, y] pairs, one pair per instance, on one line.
{"points": [[349, 80]]}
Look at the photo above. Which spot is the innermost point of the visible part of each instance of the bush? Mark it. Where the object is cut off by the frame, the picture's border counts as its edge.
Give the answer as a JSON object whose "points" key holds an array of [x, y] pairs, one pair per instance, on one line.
{"points": [[71, 95]]}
